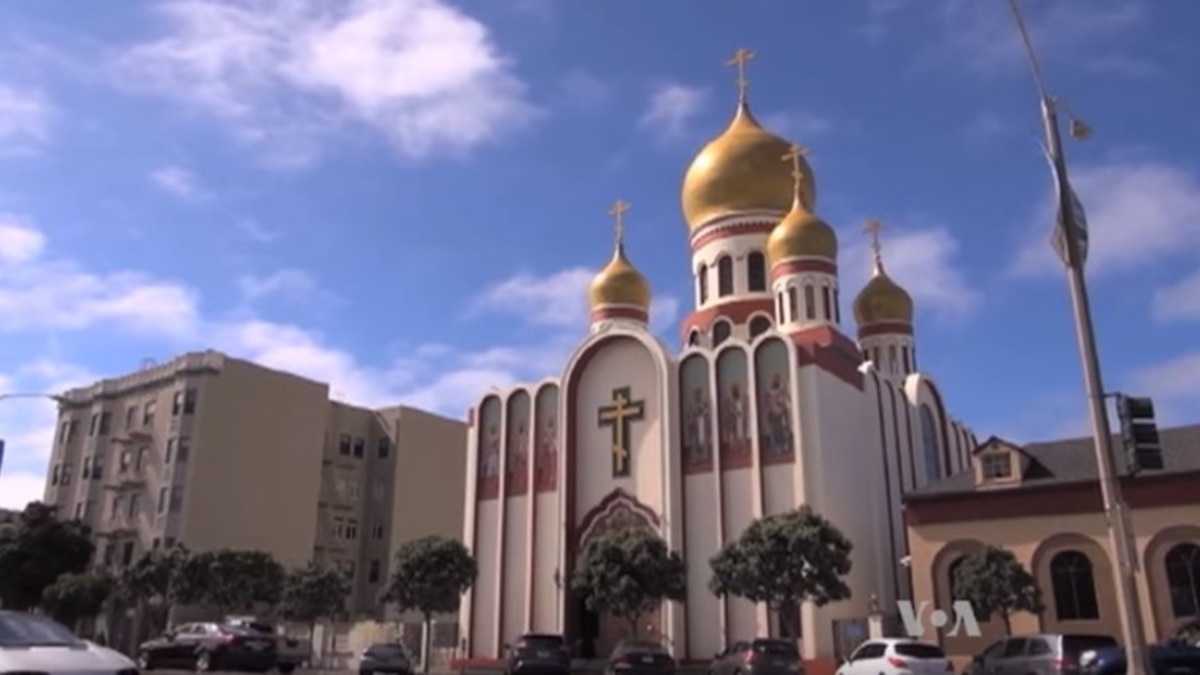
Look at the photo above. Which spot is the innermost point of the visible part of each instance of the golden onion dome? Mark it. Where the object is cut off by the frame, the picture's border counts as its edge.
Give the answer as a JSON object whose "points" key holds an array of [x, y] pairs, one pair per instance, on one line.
{"points": [[740, 170], [882, 301], [619, 283], [801, 234]]}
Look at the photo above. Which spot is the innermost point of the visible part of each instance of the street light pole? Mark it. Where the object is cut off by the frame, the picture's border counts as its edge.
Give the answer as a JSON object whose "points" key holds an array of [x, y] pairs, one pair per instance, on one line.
{"points": [[1120, 540]]}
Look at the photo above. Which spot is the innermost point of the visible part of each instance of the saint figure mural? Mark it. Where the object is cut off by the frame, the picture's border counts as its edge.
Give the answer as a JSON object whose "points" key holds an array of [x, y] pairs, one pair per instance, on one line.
{"points": [[735, 427], [547, 456], [778, 406], [518, 460], [490, 466], [697, 427]]}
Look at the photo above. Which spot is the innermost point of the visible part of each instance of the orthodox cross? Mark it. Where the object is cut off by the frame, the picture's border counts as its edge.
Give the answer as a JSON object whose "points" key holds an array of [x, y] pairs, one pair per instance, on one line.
{"points": [[618, 212], [618, 417], [794, 153], [740, 58], [873, 228]]}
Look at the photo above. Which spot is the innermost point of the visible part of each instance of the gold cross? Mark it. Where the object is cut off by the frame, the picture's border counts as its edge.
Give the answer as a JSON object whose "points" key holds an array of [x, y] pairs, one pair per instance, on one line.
{"points": [[794, 153], [618, 210], [740, 58], [618, 416], [873, 228]]}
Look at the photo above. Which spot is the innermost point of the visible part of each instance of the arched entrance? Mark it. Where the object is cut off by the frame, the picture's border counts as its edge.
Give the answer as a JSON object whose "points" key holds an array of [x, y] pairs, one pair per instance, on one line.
{"points": [[601, 633]]}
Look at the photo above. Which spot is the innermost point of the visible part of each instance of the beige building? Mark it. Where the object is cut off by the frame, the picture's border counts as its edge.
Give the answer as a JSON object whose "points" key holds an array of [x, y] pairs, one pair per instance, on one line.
{"points": [[215, 452], [1042, 502]]}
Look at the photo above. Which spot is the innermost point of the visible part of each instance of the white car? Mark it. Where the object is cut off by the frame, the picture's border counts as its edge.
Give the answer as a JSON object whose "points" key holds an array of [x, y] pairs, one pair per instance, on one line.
{"points": [[31, 643], [896, 656]]}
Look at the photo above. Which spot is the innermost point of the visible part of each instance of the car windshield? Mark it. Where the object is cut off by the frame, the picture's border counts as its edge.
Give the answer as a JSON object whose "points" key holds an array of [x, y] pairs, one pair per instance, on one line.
{"points": [[640, 647], [540, 642], [1078, 644], [387, 651], [24, 630], [775, 648], [917, 650]]}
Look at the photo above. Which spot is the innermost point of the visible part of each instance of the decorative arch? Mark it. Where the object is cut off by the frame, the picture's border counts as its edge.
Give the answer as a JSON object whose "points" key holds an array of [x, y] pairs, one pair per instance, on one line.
{"points": [[931, 465], [517, 442], [694, 338], [721, 331], [1049, 565], [949, 555], [734, 406], [931, 387], [1183, 579], [488, 447], [773, 370], [724, 276], [1073, 586], [759, 324], [1155, 565], [696, 414], [618, 510], [546, 428]]}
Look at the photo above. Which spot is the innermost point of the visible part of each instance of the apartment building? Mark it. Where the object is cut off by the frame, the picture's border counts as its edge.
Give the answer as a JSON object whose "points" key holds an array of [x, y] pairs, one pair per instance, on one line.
{"points": [[215, 452]]}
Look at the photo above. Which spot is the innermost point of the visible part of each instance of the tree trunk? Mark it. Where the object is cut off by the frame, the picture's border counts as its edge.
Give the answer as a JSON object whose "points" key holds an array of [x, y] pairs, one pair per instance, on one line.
{"points": [[1007, 623], [633, 623], [426, 642]]}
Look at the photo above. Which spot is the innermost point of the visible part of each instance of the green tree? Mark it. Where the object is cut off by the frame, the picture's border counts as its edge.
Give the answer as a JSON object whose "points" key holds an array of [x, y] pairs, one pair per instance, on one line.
{"points": [[996, 584], [784, 560], [40, 550], [150, 584], [312, 594], [75, 597], [430, 577], [229, 580], [628, 573]]}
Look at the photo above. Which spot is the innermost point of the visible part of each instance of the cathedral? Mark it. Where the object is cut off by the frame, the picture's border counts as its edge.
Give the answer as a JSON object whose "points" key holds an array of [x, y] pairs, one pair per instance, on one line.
{"points": [[770, 405]]}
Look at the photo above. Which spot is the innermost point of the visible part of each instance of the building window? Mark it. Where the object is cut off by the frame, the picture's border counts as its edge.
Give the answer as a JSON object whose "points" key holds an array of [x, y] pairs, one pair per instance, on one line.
{"points": [[95, 424], [826, 304], [155, 544], [54, 475], [148, 413], [117, 504], [97, 467], [339, 528], [810, 302], [359, 445], [383, 448], [929, 450], [79, 511], [105, 423], [189, 402], [351, 530], [344, 445], [177, 404], [123, 462], [170, 452], [183, 448], [724, 276], [1183, 580], [373, 572], [86, 473], [721, 332], [135, 505], [694, 338], [793, 304], [163, 495], [759, 325], [130, 416], [702, 280], [997, 465], [756, 272], [62, 433], [1074, 587], [377, 531], [142, 454], [65, 477], [837, 307], [127, 554]]}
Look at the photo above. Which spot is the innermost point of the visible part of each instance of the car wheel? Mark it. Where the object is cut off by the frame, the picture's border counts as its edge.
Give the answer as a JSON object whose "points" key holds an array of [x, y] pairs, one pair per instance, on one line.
{"points": [[144, 661], [204, 662]]}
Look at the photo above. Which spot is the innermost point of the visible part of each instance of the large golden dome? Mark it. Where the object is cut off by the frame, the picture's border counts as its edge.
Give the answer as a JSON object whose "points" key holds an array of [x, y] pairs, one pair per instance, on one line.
{"points": [[801, 234], [619, 283], [741, 169], [882, 301]]}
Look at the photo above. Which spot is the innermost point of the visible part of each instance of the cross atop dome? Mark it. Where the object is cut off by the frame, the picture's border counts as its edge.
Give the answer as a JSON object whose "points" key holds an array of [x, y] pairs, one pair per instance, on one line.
{"points": [[618, 210], [794, 155], [740, 58], [872, 229]]}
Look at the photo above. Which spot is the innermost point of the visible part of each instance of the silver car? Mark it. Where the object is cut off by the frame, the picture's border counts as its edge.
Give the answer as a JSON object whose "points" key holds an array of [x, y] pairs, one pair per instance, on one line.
{"points": [[30, 643]]}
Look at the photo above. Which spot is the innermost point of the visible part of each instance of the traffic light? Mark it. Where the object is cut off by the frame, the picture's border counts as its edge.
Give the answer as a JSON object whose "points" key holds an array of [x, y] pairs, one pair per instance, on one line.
{"points": [[1139, 432]]}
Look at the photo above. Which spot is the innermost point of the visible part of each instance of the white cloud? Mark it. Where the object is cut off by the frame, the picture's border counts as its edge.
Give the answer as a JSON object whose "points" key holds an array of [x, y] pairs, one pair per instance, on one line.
{"points": [[257, 232], [923, 261], [19, 243], [287, 73], [1179, 301], [582, 90], [1138, 213], [287, 283], [25, 119], [177, 181], [672, 108], [798, 124]]}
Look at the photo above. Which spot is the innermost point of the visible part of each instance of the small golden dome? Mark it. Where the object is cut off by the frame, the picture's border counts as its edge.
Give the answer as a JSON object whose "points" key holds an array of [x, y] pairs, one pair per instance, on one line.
{"points": [[740, 170], [800, 233], [882, 301], [619, 283]]}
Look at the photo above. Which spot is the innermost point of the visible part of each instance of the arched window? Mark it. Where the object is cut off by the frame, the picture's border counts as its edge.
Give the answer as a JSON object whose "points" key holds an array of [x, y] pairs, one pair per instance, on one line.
{"points": [[721, 332], [929, 450], [724, 276], [694, 338], [702, 283], [826, 304], [837, 307], [951, 571], [756, 272], [759, 325], [1183, 578], [810, 302], [793, 310], [1074, 587]]}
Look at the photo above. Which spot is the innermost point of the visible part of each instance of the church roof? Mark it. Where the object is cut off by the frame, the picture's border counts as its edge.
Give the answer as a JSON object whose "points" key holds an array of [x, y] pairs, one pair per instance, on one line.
{"points": [[1073, 461]]}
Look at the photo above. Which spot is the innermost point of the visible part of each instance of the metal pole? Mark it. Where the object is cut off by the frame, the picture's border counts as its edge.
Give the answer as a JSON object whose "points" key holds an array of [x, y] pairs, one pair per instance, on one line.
{"points": [[1123, 549]]}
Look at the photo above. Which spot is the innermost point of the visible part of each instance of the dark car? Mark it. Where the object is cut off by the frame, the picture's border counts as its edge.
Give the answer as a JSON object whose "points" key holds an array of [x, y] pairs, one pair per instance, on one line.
{"points": [[209, 646], [385, 657], [1043, 654], [540, 654], [1171, 658], [758, 657], [640, 657], [290, 653]]}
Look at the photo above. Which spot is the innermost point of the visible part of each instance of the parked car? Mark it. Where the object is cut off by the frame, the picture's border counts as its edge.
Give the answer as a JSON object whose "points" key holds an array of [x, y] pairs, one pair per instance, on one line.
{"points": [[1043, 654], [640, 657], [761, 656], [36, 644], [1173, 657], [290, 653], [538, 654], [1189, 632], [893, 656], [209, 646], [385, 657]]}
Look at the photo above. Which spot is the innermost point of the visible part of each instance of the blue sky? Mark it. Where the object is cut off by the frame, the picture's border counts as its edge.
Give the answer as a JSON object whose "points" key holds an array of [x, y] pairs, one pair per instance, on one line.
{"points": [[407, 198]]}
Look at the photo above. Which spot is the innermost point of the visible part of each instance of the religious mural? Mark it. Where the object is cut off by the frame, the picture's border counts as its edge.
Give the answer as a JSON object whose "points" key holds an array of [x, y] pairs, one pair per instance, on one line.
{"points": [[516, 457], [489, 448], [545, 462], [618, 416], [696, 414], [776, 439], [733, 406]]}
